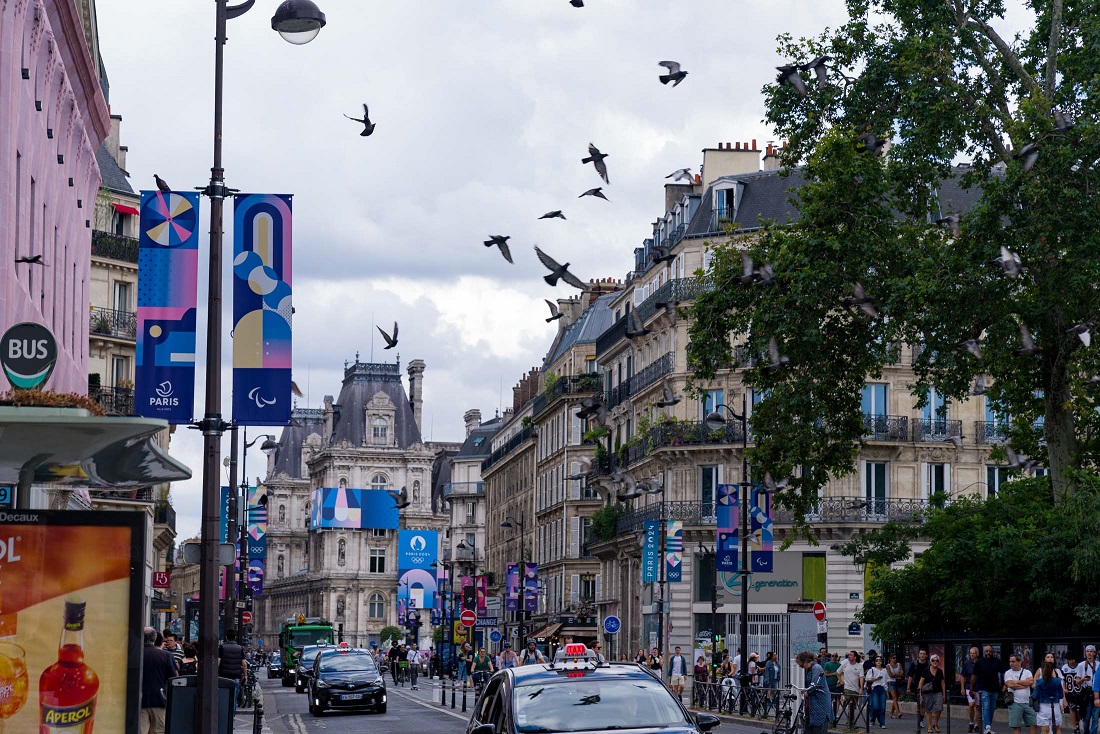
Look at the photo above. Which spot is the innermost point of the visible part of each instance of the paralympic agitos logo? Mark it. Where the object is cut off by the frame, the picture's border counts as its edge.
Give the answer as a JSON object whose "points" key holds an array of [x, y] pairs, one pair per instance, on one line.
{"points": [[28, 353]]}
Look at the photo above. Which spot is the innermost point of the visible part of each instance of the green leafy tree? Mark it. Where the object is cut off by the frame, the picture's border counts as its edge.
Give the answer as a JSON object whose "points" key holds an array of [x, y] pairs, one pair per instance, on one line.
{"points": [[389, 634], [936, 79]]}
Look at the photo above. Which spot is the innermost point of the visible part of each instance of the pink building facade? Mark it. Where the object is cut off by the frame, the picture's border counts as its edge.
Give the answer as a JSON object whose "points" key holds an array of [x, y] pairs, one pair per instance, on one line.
{"points": [[53, 117]]}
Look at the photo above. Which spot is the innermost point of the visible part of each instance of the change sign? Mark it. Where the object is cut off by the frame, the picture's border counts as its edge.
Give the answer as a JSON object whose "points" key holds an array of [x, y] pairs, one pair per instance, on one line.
{"points": [[28, 353]]}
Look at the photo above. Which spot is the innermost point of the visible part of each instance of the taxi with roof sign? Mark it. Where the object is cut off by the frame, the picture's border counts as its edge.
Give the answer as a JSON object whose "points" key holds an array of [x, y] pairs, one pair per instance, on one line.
{"points": [[578, 693]]}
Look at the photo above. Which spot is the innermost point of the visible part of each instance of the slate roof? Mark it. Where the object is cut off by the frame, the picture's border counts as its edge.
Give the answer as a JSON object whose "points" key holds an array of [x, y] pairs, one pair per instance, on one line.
{"points": [[441, 476], [472, 448], [595, 320], [113, 177], [288, 457], [362, 381]]}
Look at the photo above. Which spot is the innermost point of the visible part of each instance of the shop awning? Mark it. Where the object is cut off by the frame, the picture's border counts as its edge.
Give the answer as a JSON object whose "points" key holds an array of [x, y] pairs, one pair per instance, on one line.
{"points": [[123, 209], [585, 631], [71, 446], [547, 631]]}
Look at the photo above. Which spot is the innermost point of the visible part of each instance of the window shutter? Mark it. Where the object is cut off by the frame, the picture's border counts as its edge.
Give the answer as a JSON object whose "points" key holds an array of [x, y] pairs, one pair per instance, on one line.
{"points": [[597, 589], [947, 479], [574, 537], [575, 587], [574, 484], [925, 480], [576, 424]]}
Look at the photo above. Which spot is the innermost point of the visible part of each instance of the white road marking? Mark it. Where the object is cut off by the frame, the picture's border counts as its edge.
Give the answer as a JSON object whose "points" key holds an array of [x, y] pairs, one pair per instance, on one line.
{"points": [[440, 709]]}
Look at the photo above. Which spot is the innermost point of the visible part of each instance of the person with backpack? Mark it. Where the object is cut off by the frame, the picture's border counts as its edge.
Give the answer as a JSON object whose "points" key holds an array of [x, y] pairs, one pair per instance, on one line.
{"points": [[1050, 696], [532, 655], [190, 663], [508, 658]]}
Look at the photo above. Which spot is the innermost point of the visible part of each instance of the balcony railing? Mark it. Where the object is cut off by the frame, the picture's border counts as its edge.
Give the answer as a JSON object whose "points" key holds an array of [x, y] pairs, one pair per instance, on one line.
{"points": [[582, 384], [467, 555], [463, 488], [129, 495], [689, 433], [677, 289], [990, 432], [164, 514], [115, 400], [690, 513], [109, 322], [885, 427], [661, 367], [938, 429], [507, 448], [114, 246], [612, 336]]}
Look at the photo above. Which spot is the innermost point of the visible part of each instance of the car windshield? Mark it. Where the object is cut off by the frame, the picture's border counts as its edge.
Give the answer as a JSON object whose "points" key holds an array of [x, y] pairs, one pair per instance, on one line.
{"points": [[301, 638], [343, 663], [308, 656], [591, 703]]}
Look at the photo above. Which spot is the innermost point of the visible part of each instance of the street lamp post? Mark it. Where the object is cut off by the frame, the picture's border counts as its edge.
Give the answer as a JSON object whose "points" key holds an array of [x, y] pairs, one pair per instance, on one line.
{"points": [[294, 19], [243, 591], [716, 421], [703, 553], [520, 615], [448, 616]]}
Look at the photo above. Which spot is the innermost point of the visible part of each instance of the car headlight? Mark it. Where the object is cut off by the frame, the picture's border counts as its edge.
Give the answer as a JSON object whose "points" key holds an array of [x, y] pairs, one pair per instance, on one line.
{"points": [[321, 683], [380, 681]]}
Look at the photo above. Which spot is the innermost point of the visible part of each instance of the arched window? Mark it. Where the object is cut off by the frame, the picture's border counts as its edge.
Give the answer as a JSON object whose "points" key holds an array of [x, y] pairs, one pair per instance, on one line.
{"points": [[379, 482], [376, 608], [380, 430], [343, 483]]}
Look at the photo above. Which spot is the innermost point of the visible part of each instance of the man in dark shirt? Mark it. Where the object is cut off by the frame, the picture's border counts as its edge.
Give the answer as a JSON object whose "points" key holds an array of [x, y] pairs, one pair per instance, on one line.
{"points": [[986, 680], [916, 670], [231, 662], [157, 668]]}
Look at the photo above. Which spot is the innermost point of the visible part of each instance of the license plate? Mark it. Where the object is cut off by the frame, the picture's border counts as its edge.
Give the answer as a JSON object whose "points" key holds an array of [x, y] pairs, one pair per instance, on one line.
{"points": [[351, 697]]}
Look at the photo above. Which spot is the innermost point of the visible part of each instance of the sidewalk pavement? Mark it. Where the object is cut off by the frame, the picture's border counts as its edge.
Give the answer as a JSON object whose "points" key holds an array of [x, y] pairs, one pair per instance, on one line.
{"points": [[244, 721]]}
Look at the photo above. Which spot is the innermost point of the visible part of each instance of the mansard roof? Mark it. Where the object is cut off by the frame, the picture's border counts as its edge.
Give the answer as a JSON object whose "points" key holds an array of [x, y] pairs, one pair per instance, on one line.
{"points": [[288, 456], [362, 382]]}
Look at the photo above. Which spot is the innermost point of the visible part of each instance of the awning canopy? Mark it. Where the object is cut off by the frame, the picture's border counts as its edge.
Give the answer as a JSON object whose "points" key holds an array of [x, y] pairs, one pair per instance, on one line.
{"points": [[124, 209], [547, 631], [71, 446], [586, 631]]}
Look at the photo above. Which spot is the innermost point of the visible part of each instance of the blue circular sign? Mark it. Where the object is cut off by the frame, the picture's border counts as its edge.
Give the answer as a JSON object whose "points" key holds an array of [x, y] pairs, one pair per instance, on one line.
{"points": [[495, 636], [611, 625]]}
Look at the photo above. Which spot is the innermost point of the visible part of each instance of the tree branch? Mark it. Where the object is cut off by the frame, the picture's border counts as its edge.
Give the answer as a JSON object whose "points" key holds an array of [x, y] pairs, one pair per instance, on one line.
{"points": [[1052, 49], [1007, 53]]}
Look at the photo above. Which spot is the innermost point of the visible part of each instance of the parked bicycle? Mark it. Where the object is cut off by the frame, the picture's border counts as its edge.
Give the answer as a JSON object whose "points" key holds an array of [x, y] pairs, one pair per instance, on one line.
{"points": [[791, 712], [246, 695]]}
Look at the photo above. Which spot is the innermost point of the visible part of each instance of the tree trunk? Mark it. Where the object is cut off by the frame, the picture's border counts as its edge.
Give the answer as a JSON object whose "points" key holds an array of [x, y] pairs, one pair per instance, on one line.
{"points": [[1058, 428]]}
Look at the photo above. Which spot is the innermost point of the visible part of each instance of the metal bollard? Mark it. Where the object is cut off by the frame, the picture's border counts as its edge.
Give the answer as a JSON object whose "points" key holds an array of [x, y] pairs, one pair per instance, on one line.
{"points": [[452, 694], [463, 699], [258, 718], [442, 691]]}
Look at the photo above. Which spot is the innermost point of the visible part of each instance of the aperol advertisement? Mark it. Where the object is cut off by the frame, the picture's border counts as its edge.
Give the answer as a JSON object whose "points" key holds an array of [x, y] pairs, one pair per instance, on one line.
{"points": [[70, 642]]}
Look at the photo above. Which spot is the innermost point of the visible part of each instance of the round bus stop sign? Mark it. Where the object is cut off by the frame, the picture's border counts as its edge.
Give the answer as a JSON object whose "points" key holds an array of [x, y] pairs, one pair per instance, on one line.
{"points": [[28, 353]]}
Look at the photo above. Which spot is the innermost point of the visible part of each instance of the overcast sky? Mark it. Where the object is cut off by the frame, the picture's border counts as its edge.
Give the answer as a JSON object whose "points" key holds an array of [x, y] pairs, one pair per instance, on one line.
{"points": [[484, 109]]}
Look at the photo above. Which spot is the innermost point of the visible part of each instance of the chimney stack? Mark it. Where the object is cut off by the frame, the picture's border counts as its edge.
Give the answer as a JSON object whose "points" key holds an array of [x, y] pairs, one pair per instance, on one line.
{"points": [[473, 420], [416, 389], [771, 158], [729, 159]]}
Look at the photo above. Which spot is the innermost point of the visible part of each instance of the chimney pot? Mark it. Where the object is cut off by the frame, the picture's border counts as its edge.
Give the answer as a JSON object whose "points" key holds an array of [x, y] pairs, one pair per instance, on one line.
{"points": [[754, 143], [738, 146]]}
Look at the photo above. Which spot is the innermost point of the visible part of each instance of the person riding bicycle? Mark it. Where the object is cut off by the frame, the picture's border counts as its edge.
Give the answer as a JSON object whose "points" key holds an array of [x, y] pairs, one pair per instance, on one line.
{"points": [[482, 669]]}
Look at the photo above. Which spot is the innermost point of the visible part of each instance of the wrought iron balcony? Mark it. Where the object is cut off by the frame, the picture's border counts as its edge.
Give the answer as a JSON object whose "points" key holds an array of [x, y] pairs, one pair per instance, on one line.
{"points": [[508, 447], [109, 322], [164, 514], [129, 495], [467, 555], [690, 513], [677, 289], [990, 432], [938, 429], [722, 218], [582, 384], [115, 247], [612, 336], [689, 433], [885, 427], [463, 489], [115, 400]]}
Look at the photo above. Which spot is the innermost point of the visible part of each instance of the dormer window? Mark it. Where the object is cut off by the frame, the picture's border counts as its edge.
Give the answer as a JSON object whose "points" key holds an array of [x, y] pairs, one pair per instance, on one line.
{"points": [[379, 481], [380, 431]]}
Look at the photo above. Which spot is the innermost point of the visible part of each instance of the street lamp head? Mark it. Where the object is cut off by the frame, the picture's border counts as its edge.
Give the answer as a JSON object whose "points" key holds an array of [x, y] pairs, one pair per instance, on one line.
{"points": [[269, 445], [298, 21], [715, 421], [505, 524]]}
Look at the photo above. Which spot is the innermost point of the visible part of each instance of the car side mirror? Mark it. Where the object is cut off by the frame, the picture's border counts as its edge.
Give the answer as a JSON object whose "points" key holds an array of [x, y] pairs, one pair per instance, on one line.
{"points": [[483, 729], [706, 722]]}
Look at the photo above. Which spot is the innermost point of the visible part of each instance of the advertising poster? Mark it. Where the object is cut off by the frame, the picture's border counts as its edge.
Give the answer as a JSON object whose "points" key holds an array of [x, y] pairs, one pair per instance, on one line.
{"points": [[530, 587], [511, 588], [761, 529], [168, 276], [651, 552], [262, 238], [417, 550], [70, 580], [482, 583], [357, 509], [674, 551], [257, 522], [728, 512]]}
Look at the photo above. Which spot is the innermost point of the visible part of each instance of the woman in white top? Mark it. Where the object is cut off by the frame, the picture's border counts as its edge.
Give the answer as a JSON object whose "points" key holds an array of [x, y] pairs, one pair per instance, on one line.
{"points": [[876, 679], [895, 674]]}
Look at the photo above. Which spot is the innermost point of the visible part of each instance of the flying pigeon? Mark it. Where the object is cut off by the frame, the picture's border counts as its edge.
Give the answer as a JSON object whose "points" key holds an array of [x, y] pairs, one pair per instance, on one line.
{"points": [[788, 74], [1018, 462], [295, 390], [1082, 332], [655, 484], [161, 183], [973, 346], [589, 406], [952, 223], [775, 359], [671, 309], [400, 499], [501, 242], [1009, 262], [819, 68], [577, 3], [683, 174], [980, 387], [368, 126], [773, 486], [598, 191], [674, 75], [595, 157], [1027, 341], [554, 312], [391, 342], [861, 299], [956, 441], [634, 326], [749, 273], [668, 397], [30, 260], [630, 485], [585, 467], [870, 143], [1061, 123], [661, 255], [1029, 154], [558, 271], [556, 214]]}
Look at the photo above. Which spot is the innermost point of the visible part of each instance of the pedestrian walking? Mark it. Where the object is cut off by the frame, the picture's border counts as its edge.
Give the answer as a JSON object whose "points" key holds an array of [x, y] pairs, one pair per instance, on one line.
{"points": [[851, 676], [677, 672], [1074, 693], [1018, 681], [772, 671], [818, 709], [414, 660], [986, 680], [973, 708], [157, 668], [1050, 696], [916, 670], [895, 683], [190, 663], [171, 644], [933, 690], [832, 677], [598, 648], [640, 657], [877, 678], [1087, 679]]}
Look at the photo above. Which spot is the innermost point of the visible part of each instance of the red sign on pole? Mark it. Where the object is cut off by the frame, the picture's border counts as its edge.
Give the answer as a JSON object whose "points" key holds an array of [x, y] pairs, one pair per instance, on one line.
{"points": [[161, 579], [246, 617], [468, 618], [819, 611]]}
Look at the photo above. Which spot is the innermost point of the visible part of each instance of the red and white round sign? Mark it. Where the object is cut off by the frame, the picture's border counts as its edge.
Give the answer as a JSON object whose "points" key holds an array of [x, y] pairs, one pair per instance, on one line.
{"points": [[468, 618], [819, 611], [246, 617]]}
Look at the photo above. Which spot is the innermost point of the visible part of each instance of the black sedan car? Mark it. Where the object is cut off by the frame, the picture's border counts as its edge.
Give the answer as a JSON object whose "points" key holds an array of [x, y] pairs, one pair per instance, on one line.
{"points": [[304, 670], [274, 667], [576, 693], [346, 679]]}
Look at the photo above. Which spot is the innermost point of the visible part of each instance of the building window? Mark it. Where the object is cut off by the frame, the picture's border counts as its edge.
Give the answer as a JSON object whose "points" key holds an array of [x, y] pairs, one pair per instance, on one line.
{"points": [[874, 399], [379, 482], [378, 532], [995, 478], [710, 402], [377, 560], [875, 486], [122, 296], [708, 486], [937, 480], [813, 577], [588, 587], [120, 372], [376, 608], [380, 430]]}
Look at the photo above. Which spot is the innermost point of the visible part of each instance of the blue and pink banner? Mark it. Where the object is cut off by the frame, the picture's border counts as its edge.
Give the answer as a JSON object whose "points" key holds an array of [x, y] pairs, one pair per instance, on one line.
{"points": [[674, 551], [262, 228], [530, 587], [651, 552], [728, 514], [417, 550], [482, 583], [761, 518], [511, 588], [168, 276], [354, 509]]}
